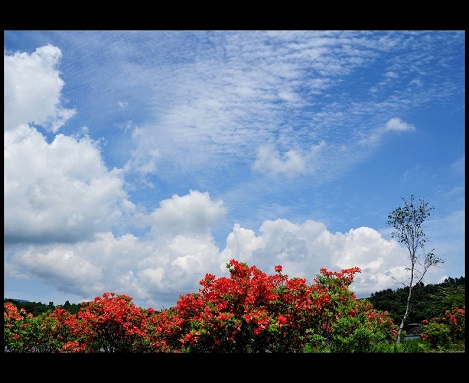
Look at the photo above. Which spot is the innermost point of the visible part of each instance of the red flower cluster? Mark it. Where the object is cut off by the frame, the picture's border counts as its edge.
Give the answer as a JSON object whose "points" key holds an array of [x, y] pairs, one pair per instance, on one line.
{"points": [[247, 312]]}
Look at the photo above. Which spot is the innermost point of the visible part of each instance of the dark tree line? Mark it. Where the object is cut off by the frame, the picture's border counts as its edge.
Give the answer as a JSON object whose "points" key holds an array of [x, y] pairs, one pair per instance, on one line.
{"points": [[38, 308], [430, 301]]}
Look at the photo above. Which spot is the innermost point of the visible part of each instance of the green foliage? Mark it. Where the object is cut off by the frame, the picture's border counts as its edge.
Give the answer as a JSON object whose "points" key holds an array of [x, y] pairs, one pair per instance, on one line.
{"points": [[443, 332], [452, 295], [431, 301], [45, 333], [437, 335], [351, 336], [412, 346]]}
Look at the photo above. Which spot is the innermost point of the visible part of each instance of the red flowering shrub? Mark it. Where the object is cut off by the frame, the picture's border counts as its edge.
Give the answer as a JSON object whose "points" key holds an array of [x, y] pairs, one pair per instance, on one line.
{"points": [[253, 312], [246, 312], [442, 332]]}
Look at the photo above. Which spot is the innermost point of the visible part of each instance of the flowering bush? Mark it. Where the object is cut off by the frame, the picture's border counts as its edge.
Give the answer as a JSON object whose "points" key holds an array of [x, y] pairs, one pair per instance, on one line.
{"points": [[111, 323], [347, 324], [253, 312], [52, 331], [456, 321], [15, 325], [442, 332], [246, 312]]}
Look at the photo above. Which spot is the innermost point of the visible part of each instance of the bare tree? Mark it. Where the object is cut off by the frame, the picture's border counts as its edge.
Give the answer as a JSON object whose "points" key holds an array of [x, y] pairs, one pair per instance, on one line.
{"points": [[407, 221]]}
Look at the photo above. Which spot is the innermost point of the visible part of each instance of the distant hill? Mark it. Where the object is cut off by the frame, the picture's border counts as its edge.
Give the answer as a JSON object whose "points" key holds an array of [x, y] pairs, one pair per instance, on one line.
{"points": [[17, 300]]}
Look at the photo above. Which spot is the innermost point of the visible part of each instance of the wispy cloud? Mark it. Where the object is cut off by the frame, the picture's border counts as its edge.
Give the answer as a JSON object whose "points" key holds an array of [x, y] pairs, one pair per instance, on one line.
{"points": [[374, 137]]}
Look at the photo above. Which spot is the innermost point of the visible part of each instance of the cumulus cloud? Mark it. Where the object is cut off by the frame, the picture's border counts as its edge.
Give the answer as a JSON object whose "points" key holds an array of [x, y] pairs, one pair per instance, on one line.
{"points": [[193, 213], [156, 271], [269, 160], [60, 191], [32, 89], [303, 249]]}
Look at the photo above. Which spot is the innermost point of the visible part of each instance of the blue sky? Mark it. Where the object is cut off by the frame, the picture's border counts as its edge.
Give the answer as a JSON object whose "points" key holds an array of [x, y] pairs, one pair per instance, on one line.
{"points": [[138, 161]]}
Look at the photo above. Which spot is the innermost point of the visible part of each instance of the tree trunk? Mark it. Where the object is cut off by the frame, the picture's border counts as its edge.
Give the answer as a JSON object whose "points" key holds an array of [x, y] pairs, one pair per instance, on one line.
{"points": [[406, 314]]}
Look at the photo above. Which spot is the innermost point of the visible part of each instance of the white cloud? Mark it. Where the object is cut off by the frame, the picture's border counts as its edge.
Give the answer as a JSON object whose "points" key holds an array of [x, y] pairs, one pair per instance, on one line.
{"points": [[375, 136], [397, 125], [155, 271], [169, 261], [61, 265], [303, 249], [269, 160], [32, 89], [391, 75], [143, 159], [241, 243], [59, 191], [193, 213]]}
